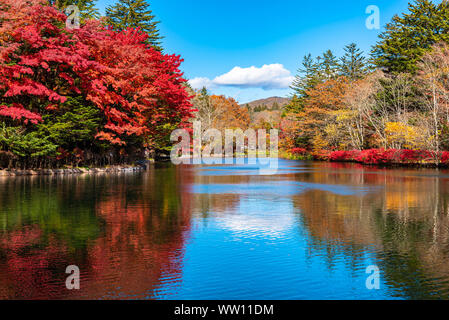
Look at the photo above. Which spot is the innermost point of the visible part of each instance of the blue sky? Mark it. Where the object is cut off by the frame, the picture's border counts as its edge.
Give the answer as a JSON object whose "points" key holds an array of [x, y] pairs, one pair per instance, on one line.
{"points": [[216, 37]]}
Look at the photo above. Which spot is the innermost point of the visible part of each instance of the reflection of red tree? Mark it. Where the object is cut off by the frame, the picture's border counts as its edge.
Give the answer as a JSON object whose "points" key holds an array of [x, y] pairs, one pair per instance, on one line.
{"points": [[29, 271], [142, 243]]}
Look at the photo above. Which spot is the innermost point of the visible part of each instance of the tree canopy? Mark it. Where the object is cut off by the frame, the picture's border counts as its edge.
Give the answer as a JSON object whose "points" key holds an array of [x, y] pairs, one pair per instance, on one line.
{"points": [[410, 35], [135, 14], [90, 89]]}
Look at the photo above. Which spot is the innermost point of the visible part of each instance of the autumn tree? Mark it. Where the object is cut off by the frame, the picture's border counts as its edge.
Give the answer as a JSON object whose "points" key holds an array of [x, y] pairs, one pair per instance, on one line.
{"points": [[322, 100], [135, 14], [435, 82], [409, 36], [90, 88], [206, 112], [230, 115], [360, 101]]}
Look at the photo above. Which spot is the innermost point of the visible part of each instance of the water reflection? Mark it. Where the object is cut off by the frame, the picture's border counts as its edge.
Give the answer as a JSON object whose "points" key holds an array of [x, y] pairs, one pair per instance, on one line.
{"points": [[225, 232], [405, 224], [126, 232]]}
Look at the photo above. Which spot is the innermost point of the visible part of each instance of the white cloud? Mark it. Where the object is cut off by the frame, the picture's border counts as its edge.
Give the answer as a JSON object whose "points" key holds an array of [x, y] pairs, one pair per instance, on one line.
{"points": [[199, 83], [267, 77]]}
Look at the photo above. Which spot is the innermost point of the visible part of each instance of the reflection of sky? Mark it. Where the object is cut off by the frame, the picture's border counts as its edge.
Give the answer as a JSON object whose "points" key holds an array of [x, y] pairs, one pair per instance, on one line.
{"points": [[251, 167], [259, 248], [280, 188]]}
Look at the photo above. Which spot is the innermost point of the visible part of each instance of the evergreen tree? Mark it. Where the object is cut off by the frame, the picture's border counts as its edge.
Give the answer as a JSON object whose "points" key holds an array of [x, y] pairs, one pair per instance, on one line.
{"points": [[74, 125], [329, 66], [307, 77], [353, 63], [294, 106], [409, 36], [87, 7], [135, 14]]}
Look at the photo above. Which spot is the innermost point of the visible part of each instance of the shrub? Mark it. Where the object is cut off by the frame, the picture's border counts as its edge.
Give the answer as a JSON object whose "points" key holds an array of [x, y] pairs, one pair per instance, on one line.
{"points": [[344, 155], [322, 155], [445, 157], [298, 151]]}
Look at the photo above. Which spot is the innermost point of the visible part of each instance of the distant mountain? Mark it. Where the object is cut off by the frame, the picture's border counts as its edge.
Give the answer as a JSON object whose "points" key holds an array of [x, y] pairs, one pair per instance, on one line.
{"points": [[268, 103]]}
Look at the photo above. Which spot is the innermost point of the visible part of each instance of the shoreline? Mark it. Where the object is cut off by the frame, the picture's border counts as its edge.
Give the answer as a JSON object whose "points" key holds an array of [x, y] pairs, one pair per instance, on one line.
{"points": [[428, 165], [72, 171], [382, 158]]}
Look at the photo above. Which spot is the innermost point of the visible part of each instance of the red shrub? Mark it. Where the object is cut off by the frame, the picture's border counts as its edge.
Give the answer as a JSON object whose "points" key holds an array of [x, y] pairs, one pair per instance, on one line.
{"points": [[413, 156], [445, 157], [371, 156], [298, 151], [344, 155]]}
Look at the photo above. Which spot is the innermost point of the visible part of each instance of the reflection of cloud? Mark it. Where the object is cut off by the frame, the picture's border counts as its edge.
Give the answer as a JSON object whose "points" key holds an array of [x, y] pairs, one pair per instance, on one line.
{"points": [[269, 218], [271, 225], [267, 77]]}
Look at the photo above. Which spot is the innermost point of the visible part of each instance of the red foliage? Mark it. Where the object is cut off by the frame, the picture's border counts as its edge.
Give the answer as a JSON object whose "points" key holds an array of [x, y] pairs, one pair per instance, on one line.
{"points": [[445, 157], [137, 88], [298, 151], [17, 111], [381, 156], [372, 156], [29, 46], [344, 155]]}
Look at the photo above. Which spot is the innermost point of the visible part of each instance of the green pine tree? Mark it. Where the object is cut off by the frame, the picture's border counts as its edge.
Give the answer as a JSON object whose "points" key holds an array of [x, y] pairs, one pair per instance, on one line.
{"points": [[294, 106], [74, 126], [135, 14], [408, 37], [25, 144], [329, 66], [353, 63], [307, 77]]}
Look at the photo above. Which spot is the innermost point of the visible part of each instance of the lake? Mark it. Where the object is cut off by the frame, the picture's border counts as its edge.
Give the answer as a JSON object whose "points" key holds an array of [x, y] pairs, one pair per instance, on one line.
{"points": [[310, 231]]}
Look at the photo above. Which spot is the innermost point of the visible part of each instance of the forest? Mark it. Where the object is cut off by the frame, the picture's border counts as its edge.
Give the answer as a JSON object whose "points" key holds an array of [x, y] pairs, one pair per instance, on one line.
{"points": [[100, 94], [389, 107], [106, 93]]}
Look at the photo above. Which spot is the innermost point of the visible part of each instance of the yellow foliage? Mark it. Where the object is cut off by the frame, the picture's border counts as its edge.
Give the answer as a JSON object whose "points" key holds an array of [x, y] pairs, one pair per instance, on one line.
{"points": [[401, 136], [319, 143]]}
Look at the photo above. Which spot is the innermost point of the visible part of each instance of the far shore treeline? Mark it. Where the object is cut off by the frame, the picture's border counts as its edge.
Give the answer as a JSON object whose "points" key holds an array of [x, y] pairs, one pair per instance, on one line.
{"points": [[390, 107], [106, 93]]}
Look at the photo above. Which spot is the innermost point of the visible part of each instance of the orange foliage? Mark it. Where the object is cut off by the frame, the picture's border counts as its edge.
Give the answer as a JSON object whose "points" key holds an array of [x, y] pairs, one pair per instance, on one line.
{"points": [[231, 115], [323, 99]]}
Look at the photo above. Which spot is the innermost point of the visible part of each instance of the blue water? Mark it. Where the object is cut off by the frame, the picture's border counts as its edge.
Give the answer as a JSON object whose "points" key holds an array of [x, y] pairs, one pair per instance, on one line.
{"points": [[307, 231]]}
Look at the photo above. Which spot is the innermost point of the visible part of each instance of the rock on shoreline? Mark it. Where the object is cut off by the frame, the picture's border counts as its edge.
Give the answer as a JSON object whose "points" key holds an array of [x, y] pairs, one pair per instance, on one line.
{"points": [[69, 171]]}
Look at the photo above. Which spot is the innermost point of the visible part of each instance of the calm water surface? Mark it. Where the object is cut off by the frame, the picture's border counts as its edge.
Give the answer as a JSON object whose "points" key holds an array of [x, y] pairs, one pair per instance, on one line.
{"points": [[226, 232]]}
